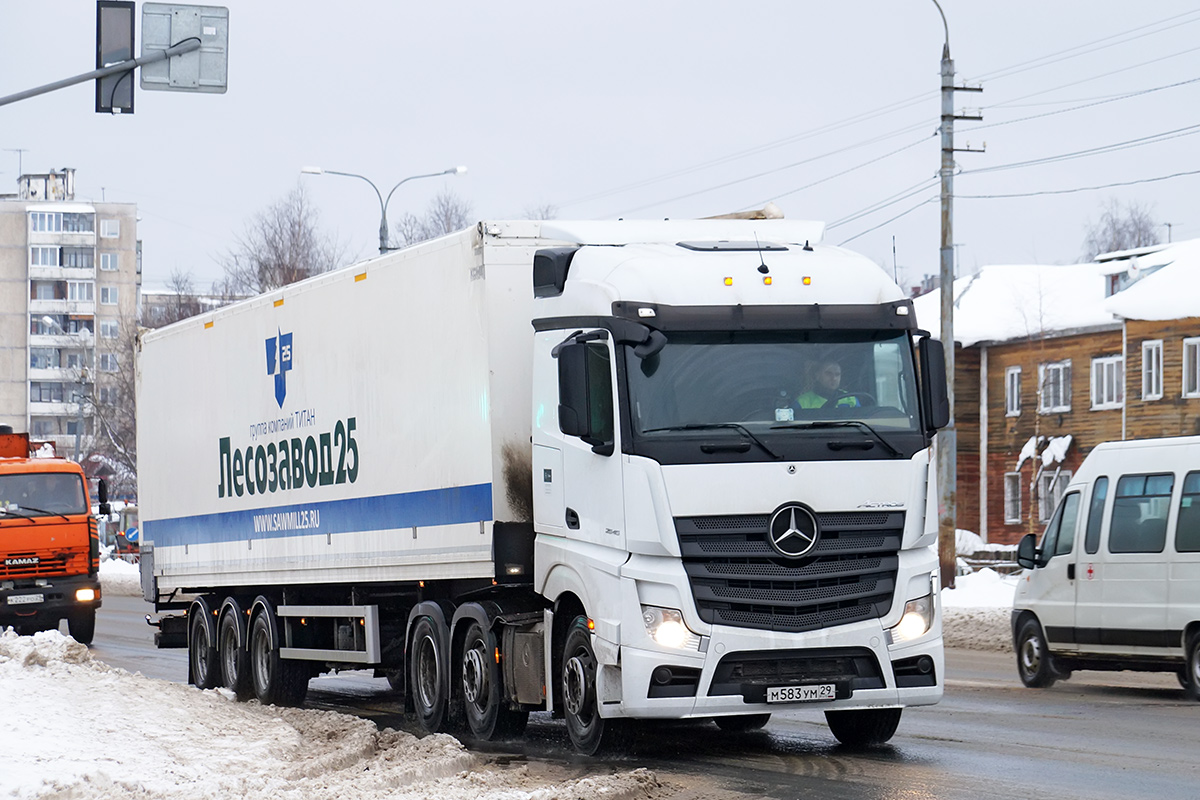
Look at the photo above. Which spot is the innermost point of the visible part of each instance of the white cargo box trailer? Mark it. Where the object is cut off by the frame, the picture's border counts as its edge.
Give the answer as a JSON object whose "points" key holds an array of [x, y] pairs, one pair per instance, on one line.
{"points": [[583, 467]]}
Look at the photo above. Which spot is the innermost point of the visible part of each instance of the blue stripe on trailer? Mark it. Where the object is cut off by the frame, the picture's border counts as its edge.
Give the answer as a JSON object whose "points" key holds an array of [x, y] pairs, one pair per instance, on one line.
{"points": [[411, 509]]}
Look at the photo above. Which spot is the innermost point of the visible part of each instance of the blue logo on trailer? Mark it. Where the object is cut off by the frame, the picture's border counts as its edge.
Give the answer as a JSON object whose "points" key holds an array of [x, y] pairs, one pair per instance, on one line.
{"points": [[279, 362]]}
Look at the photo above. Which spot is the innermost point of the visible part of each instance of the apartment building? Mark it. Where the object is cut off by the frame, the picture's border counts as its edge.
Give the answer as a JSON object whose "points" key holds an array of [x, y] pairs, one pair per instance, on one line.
{"points": [[70, 274]]}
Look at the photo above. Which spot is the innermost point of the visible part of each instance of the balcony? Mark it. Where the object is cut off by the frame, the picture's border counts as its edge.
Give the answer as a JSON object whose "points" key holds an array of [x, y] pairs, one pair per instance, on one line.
{"points": [[38, 273], [39, 307], [72, 239], [53, 409], [67, 341]]}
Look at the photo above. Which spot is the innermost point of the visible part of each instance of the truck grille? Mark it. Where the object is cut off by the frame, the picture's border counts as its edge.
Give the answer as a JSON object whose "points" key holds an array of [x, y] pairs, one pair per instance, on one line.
{"points": [[16, 565], [738, 579]]}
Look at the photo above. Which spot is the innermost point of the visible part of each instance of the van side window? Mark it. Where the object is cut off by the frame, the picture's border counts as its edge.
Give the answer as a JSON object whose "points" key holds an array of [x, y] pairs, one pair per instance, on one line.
{"points": [[1139, 516], [1060, 533], [1091, 541], [1187, 526]]}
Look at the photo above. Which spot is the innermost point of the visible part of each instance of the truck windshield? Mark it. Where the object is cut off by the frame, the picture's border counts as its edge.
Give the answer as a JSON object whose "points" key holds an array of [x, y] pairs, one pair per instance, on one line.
{"points": [[35, 494], [774, 386]]}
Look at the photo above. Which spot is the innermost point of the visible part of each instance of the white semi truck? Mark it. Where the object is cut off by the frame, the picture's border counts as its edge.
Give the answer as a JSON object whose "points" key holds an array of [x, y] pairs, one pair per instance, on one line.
{"points": [[586, 468]]}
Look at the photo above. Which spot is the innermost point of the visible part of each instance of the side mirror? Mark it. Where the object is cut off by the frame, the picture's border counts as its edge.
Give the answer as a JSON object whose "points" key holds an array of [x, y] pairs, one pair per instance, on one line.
{"points": [[102, 491], [1027, 555], [935, 403], [585, 395]]}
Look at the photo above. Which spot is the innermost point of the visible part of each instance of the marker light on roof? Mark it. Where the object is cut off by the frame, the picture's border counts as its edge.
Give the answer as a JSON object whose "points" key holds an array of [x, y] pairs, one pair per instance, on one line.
{"points": [[807, 281], [729, 281], [767, 280]]}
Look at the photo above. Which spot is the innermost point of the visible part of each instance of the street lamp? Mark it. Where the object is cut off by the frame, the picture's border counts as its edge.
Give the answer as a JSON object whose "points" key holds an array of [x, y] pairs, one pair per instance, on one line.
{"points": [[383, 204], [81, 395]]}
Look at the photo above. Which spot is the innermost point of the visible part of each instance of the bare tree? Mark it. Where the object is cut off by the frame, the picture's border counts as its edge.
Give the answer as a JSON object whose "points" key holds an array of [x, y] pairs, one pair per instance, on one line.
{"points": [[541, 211], [282, 244], [112, 451], [1120, 229], [446, 213]]}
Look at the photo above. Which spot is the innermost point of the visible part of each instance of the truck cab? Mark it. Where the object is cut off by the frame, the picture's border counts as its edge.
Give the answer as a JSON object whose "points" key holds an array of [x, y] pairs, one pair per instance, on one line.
{"points": [[48, 541]]}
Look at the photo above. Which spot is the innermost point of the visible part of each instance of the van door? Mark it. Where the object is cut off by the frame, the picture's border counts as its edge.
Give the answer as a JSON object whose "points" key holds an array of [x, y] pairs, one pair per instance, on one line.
{"points": [[1089, 568], [1053, 588]]}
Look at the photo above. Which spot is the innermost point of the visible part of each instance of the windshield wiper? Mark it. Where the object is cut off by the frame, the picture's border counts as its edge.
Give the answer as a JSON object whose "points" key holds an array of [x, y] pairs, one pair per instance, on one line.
{"points": [[847, 423], [701, 426], [42, 511]]}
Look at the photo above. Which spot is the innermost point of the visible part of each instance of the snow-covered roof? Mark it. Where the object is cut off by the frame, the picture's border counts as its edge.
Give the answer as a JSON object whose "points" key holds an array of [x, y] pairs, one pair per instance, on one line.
{"points": [[1007, 302], [1171, 291]]}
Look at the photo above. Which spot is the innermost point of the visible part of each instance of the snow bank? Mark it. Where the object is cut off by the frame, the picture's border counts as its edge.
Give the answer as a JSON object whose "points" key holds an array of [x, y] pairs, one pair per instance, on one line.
{"points": [[77, 728], [977, 611], [120, 577]]}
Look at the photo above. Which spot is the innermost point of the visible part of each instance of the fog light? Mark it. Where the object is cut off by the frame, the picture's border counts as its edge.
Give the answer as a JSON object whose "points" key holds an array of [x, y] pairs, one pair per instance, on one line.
{"points": [[666, 627], [916, 620], [85, 595]]}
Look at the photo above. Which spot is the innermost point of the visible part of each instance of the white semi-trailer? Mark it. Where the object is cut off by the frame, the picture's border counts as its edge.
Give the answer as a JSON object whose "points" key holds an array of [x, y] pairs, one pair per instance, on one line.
{"points": [[592, 468]]}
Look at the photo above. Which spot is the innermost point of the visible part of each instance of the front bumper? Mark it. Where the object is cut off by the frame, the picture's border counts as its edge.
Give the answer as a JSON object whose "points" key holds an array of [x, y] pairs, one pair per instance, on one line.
{"points": [[58, 600]]}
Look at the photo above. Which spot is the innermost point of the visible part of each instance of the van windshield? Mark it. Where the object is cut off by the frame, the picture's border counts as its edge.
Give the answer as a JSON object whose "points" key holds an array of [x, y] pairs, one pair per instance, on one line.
{"points": [[34, 494]]}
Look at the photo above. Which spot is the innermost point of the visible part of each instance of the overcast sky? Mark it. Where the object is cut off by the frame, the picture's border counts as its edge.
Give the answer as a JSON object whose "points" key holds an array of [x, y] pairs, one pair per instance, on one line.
{"points": [[634, 109]]}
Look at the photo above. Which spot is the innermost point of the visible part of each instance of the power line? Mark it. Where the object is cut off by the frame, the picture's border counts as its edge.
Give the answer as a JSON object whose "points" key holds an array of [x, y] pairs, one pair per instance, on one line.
{"points": [[903, 194], [924, 202], [1189, 130], [1080, 188]]}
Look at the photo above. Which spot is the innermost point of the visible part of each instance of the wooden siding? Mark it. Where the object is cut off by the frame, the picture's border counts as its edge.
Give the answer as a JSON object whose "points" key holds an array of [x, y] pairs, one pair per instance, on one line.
{"points": [[1173, 414]]}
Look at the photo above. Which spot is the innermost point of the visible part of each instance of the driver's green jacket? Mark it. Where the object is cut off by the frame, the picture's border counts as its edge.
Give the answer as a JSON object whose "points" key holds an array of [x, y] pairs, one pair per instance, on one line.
{"points": [[813, 400]]}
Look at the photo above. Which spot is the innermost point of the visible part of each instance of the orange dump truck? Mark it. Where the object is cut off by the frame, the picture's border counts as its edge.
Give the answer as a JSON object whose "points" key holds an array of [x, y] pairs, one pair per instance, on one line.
{"points": [[49, 550]]}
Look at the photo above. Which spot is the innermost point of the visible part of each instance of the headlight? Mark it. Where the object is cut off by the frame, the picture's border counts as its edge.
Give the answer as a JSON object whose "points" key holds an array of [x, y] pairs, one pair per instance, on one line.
{"points": [[666, 627], [85, 595], [916, 620]]}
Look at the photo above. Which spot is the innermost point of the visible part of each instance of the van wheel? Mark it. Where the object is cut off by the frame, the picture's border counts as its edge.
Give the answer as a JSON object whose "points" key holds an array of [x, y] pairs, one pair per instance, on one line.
{"points": [[1189, 676], [1033, 657], [864, 727]]}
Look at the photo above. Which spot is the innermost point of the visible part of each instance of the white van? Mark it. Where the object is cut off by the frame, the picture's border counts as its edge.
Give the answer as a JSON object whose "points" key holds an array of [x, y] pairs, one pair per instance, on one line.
{"points": [[1114, 583]]}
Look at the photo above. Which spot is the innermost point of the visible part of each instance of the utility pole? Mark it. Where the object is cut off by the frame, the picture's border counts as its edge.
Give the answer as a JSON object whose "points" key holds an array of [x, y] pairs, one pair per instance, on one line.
{"points": [[947, 444], [1168, 226]]}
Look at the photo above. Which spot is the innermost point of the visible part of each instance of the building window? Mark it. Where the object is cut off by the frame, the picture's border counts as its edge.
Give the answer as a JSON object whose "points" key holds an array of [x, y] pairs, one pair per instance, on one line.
{"points": [[44, 256], [108, 262], [43, 392], [110, 228], [1108, 382], [78, 223], [1051, 487], [43, 358], [1055, 382], [108, 362], [84, 291], [1012, 498], [44, 290], [41, 428], [79, 257], [1012, 392], [108, 295], [1152, 370], [109, 328], [45, 221], [107, 396], [1191, 367]]}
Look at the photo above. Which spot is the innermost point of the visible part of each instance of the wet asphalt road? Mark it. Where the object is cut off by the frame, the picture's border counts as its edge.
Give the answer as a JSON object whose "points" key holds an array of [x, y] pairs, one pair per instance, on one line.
{"points": [[1098, 735]]}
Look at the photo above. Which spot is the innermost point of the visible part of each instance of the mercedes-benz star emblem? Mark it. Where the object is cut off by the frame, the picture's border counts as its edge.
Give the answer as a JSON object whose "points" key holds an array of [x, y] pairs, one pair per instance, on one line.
{"points": [[793, 531]]}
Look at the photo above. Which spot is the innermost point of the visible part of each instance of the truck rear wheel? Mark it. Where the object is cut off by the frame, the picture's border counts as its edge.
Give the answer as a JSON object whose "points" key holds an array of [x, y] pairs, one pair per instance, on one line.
{"points": [[488, 716], [428, 680], [865, 726], [590, 733], [82, 626], [276, 681], [202, 655], [235, 669]]}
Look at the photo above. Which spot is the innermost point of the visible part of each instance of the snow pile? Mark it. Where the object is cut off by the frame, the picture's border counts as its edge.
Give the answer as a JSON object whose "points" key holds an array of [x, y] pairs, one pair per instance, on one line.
{"points": [[976, 612], [120, 577], [77, 728]]}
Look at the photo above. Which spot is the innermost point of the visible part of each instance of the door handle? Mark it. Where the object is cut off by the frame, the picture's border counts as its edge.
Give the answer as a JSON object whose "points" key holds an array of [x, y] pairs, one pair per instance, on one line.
{"points": [[1070, 572], [572, 519]]}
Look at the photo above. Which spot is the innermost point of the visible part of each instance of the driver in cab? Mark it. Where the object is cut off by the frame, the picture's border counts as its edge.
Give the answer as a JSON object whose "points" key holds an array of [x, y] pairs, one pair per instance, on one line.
{"points": [[826, 388]]}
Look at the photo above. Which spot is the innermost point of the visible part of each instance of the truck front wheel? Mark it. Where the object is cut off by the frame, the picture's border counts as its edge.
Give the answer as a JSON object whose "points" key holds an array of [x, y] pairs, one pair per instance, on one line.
{"points": [[276, 681], [863, 727], [201, 652], [590, 733], [487, 714], [82, 626]]}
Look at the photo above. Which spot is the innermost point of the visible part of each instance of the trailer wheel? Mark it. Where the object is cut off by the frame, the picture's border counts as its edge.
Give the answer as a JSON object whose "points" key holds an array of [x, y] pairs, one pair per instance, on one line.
{"points": [[488, 716], [235, 667], [1033, 657], [740, 723], [276, 681], [429, 681], [590, 733], [864, 726], [82, 626], [202, 655]]}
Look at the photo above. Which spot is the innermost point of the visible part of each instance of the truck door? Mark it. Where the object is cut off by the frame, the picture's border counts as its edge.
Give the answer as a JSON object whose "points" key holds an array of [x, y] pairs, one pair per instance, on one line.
{"points": [[593, 508], [1054, 589]]}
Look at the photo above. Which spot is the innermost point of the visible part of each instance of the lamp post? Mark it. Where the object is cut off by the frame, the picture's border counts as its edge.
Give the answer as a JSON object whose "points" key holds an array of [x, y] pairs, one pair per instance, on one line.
{"points": [[80, 395], [383, 203]]}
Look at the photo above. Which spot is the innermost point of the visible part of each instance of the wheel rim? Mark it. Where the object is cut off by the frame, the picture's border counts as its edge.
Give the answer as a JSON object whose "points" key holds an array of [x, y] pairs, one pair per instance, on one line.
{"points": [[200, 649], [262, 659], [229, 655], [576, 680], [475, 676], [1194, 670], [427, 672], [1031, 655]]}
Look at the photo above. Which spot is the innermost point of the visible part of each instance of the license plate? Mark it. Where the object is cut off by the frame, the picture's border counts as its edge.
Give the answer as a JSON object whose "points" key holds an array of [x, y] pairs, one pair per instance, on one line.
{"points": [[801, 694], [22, 599]]}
